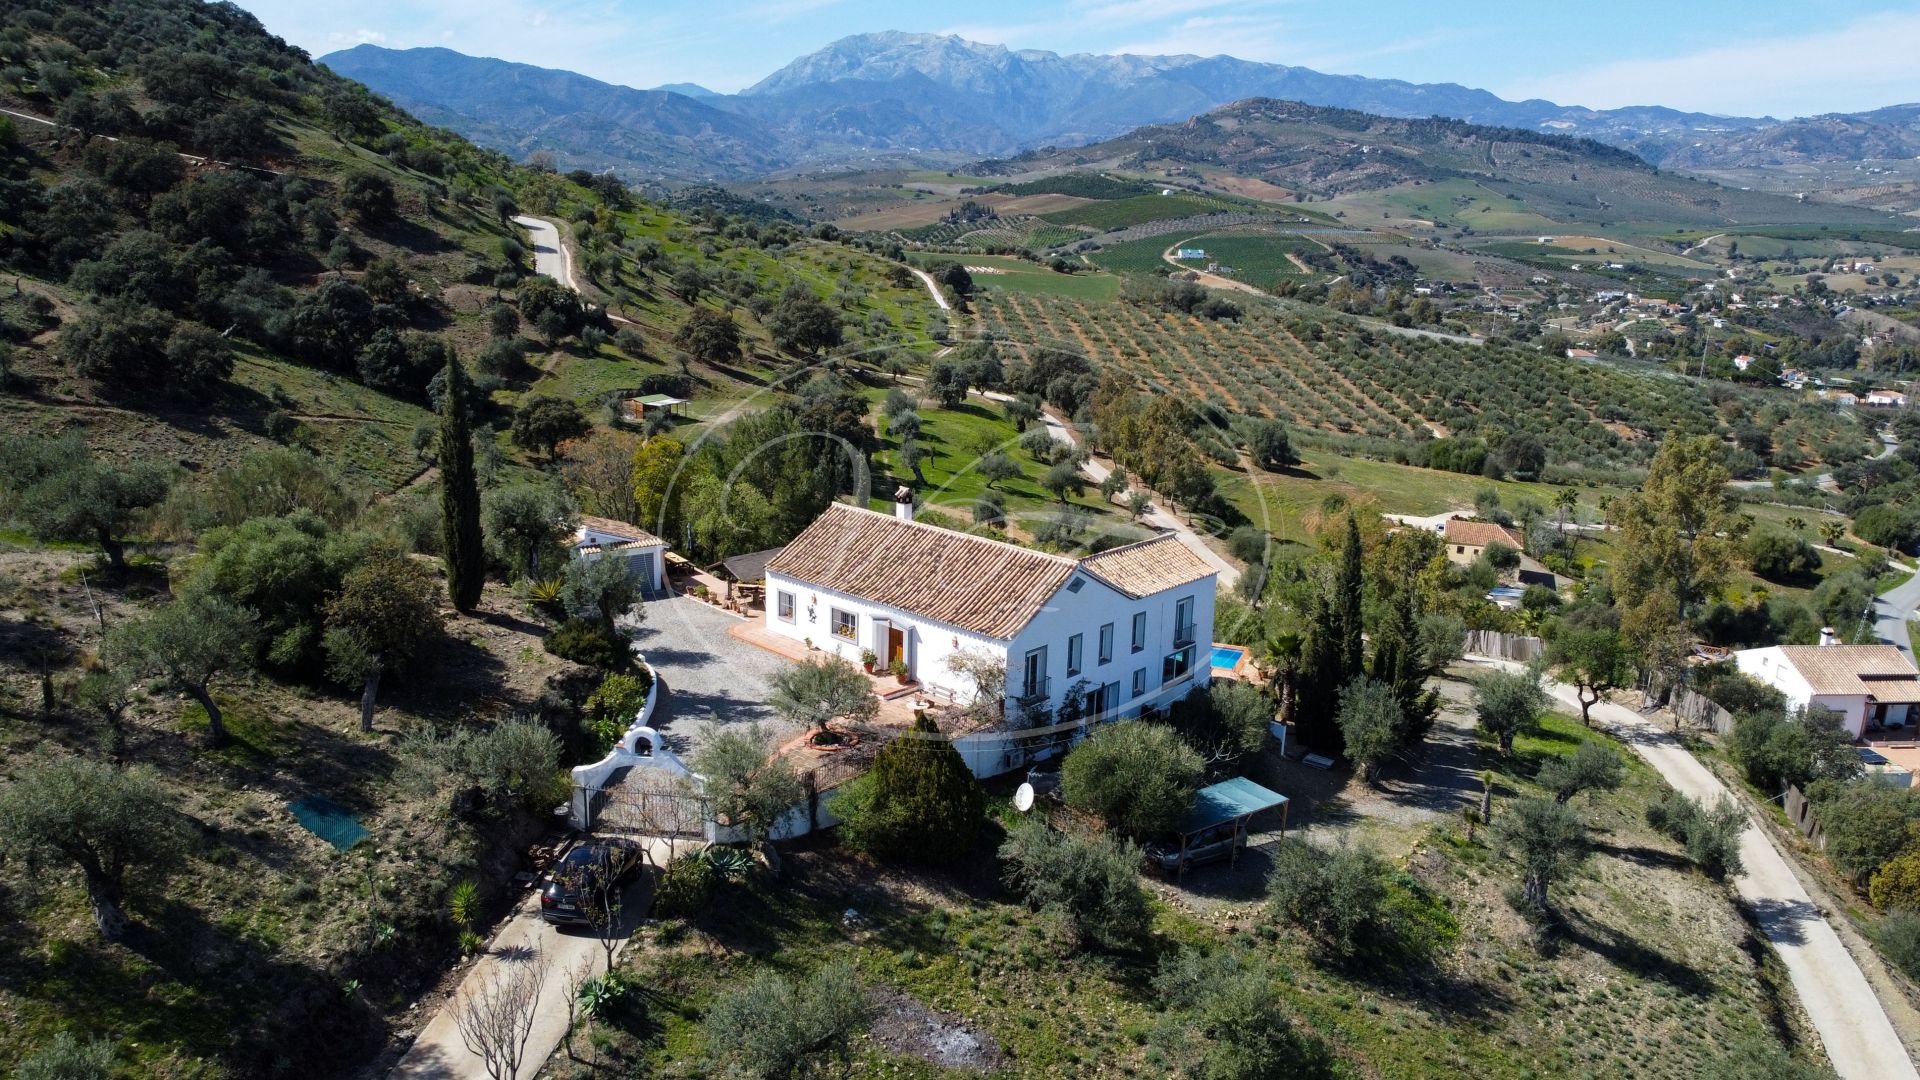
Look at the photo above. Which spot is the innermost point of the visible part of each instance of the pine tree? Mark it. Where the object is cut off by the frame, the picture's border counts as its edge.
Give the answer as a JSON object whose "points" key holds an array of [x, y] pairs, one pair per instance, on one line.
{"points": [[918, 803], [460, 495]]}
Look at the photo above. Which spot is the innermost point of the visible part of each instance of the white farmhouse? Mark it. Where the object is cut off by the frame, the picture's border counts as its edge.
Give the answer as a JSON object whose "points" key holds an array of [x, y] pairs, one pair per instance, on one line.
{"points": [[1120, 631], [1868, 685], [604, 538]]}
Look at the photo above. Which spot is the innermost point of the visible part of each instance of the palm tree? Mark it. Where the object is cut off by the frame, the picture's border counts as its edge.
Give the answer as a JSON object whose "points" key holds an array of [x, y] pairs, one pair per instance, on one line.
{"points": [[1567, 501], [1797, 524], [1280, 657], [1833, 531]]}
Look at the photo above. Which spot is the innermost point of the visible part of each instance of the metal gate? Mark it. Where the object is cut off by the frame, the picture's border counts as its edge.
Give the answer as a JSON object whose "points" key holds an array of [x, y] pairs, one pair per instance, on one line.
{"points": [[647, 802]]}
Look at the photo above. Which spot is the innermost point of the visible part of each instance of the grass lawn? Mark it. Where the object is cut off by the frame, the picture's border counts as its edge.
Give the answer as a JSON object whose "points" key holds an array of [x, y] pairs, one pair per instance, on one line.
{"points": [[1292, 505], [954, 441]]}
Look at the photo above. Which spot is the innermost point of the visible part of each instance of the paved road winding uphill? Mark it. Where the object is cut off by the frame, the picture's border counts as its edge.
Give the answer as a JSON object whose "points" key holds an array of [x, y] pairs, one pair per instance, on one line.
{"points": [[550, 256], [1853, 1026]]}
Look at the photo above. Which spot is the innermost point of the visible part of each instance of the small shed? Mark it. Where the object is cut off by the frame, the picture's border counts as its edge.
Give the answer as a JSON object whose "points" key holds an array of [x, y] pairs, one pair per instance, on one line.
{"points": [[1221, 811], [642, 407]]}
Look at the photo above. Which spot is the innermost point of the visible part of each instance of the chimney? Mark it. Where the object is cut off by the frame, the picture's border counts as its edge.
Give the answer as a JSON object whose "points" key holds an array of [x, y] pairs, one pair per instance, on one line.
{"points": [[903, 503], [1826, 636]]}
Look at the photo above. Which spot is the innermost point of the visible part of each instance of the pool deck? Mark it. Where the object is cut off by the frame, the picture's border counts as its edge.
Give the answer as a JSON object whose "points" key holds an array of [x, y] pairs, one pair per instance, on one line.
{"points": [[1242, 669]]}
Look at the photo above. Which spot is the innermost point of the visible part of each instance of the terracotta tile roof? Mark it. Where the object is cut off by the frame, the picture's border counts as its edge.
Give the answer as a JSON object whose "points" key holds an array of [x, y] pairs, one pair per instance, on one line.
{"points": [[1481, 533], [1879, 670], [1150, 566], [971, 582], [630, 534]]}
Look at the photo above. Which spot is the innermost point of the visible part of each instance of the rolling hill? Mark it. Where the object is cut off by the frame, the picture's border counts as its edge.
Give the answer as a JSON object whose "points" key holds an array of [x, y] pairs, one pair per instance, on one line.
{"points": [[1341, 152]]}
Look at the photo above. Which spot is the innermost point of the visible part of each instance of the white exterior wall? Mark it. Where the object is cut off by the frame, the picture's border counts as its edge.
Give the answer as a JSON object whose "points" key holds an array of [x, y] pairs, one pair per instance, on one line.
{"points": [[651, 556], [929, 643], [1068, 613], [1770, 666]]}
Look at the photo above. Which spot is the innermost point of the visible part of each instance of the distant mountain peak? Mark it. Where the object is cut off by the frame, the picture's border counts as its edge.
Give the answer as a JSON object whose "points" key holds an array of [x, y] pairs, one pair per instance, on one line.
{"points": [[687, 89]]}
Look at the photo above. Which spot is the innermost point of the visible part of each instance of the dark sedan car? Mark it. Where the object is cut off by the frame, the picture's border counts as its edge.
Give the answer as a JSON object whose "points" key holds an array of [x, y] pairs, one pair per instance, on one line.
{"points": [[576, 881]]}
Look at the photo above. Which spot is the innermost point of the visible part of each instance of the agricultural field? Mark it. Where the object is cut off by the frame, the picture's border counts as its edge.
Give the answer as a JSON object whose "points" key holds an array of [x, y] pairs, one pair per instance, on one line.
{"points": [[1139, 209], [1339, 377], [1258, 259], [995, 272]]}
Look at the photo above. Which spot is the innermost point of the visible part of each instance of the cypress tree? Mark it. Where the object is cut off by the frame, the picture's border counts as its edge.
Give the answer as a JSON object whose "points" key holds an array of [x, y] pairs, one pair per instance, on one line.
{"points": [[460, 495], [1347, 596], [919, 802]]}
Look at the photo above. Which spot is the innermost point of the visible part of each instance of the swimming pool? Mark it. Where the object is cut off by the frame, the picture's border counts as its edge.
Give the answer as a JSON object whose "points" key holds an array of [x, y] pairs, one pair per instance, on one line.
{"points": [[1226, 656]]}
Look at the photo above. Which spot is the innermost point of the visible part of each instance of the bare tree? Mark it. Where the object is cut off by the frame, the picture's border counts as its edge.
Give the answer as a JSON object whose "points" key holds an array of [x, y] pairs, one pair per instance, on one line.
{"points": [[496, 1014], [603, 892], [577, 977]]}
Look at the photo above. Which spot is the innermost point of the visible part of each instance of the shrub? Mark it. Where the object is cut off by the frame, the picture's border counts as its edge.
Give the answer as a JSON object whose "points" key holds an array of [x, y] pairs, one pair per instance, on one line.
{"points": [[1777, 749], [65, 1057], [1866, 823], [1896, 885], [1139, 777], [918, 803], [1337, 896], [1092, 887], [1591, 767], [590, 642], [1711, 835], [685, 887], [1225, 722], [771, 1026], [1779, 557], [1899, 937], [1224, 1021]]}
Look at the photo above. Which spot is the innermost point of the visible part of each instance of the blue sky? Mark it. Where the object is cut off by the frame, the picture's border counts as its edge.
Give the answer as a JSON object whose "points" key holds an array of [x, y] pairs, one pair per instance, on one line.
{"points": [[1756, 57]]}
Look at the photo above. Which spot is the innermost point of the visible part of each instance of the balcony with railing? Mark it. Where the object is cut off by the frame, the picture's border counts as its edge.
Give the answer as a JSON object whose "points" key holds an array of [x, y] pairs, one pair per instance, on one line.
{"points": [[1183, 635], [1034, 691]]}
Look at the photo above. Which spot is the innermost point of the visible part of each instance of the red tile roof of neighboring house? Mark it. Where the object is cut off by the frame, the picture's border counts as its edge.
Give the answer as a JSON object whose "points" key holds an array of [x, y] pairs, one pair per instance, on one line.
{"points": [[1880, 670], [1482, 533]]}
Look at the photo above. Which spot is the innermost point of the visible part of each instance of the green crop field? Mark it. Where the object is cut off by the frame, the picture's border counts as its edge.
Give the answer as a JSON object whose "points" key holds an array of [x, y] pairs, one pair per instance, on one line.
{"points": [[1120, 213], [1134, 256], [1259, 260]]}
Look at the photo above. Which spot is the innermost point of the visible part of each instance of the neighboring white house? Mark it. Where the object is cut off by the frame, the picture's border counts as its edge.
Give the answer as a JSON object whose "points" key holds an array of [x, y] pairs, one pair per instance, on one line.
{"points": [[1868, 685], [1886, 399], [643, 552], [1116, 632]]}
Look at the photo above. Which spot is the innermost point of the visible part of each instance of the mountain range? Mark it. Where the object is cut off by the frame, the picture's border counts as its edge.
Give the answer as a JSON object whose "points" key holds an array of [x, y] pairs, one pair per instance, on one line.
{"points": [[897, 96]]}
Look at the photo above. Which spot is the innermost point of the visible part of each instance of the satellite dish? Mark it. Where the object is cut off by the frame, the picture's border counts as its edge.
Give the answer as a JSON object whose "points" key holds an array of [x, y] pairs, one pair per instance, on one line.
{"points": [[1023, 798]]}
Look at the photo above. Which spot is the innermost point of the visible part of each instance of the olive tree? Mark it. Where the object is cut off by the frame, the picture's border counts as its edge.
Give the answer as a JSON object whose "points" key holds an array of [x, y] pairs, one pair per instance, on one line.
{"points": [[1547, 839], [1139, 777], [747, 788], [603, 589], [188, 644], [101, 820], [385, 608], [61, 492], [1508, 703], [819, 690]]}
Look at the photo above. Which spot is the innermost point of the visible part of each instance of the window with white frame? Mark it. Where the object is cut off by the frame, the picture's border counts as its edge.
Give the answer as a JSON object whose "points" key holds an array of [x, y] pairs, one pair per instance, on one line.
{"points": [[1139, 631], [1106, 643], [1075, 646], [786, 606], [846, 624]]}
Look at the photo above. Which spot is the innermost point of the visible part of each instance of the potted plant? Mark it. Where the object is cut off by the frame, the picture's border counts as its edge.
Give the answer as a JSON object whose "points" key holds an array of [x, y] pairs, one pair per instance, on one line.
{"points": [[899, 670], [867, 660], [809, 644]]}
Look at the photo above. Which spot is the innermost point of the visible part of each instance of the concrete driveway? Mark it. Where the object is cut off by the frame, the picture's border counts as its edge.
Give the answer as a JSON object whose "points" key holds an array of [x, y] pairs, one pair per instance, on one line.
{"points": [[711, 678], [440, 1053]]}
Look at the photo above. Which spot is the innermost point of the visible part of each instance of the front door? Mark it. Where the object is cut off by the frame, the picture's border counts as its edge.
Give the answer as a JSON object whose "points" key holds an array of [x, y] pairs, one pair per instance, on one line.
{"points": [[896, 646]]}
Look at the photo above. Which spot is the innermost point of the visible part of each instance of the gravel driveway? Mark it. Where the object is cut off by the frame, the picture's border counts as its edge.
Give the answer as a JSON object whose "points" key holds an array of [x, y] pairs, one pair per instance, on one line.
{"points": [[711, 677]]}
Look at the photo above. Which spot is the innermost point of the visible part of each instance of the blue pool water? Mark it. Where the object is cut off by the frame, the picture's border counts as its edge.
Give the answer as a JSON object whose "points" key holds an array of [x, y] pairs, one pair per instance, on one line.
{"points": [[328, 820], [1225, 656]]}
